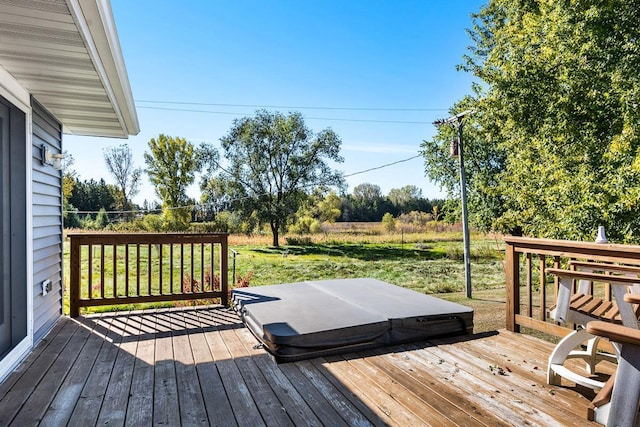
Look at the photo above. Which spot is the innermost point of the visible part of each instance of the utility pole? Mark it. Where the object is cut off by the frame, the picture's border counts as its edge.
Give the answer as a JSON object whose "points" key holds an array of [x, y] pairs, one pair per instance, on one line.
{"points": [[457, 122]]}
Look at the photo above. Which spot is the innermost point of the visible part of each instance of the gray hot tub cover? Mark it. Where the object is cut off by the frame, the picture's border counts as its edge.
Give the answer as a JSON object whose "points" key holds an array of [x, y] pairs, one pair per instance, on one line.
{"points": [[308, 319]]}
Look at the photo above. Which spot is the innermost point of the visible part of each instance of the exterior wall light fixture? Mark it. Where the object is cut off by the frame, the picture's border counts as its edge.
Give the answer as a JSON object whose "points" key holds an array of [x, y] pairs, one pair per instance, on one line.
{"points": [[48, 158]]}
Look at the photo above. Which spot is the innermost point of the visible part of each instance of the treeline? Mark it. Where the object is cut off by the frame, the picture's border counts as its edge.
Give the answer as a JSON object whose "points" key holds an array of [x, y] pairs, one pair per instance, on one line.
{"points": [[95, 204]]}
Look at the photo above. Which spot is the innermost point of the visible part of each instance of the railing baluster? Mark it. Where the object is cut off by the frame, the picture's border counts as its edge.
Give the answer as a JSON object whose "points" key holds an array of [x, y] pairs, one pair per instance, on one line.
{"points": [[202, 267], [556, 279], [160, 261], [182, 268], [171, 267], [529, 287], [149, 269], [138, 269], [212, 270], [90, 270], [126, 269], [102, 268], [192, 276], [115, 270], [543, 288]]}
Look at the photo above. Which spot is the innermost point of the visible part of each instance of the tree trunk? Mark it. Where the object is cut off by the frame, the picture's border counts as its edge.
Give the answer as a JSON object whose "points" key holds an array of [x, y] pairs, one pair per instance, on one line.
{"points": [[274, 232]]}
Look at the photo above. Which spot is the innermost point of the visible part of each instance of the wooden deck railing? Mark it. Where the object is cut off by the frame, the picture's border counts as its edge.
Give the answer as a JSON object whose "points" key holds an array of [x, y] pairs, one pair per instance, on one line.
{"points": [[117, 268], [540, 288]]}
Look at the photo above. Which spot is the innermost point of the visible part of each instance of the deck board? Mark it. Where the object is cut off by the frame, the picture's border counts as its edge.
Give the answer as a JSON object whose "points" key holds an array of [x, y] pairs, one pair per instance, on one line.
{"points": [[188, 366]]}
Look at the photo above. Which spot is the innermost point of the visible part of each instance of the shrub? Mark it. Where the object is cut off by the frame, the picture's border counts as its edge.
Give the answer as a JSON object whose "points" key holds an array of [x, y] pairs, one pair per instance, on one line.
{"points": [[298, 240], [388, 222], [227, 222], [102, 219], [153, 223], [305, 225], [176, 219]]}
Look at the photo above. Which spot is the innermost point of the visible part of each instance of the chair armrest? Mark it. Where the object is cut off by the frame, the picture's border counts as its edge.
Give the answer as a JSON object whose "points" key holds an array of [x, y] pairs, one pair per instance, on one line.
{"points": [[615, 333], [632, 298], [597, 277]]}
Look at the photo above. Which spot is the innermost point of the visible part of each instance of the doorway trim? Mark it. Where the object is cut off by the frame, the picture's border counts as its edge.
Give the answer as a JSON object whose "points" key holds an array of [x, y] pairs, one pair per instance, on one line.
{"points": [[19, 97]]}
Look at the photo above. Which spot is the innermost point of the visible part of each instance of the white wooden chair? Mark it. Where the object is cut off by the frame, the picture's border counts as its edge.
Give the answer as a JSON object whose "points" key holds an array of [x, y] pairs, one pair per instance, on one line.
{"points": [[581, 307], [617, 403]]}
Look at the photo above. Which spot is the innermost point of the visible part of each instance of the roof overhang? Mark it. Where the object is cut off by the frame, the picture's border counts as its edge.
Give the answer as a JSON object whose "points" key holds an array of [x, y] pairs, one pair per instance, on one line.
{"points": [[66, 53]]}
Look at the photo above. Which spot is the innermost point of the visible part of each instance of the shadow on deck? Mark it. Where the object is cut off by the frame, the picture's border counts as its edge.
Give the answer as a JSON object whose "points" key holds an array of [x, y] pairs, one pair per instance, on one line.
{"points": [[202, 367]]}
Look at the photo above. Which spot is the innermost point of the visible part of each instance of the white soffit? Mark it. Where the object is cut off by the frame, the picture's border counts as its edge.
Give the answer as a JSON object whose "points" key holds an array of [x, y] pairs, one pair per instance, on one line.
{"points": [[66, 53]]}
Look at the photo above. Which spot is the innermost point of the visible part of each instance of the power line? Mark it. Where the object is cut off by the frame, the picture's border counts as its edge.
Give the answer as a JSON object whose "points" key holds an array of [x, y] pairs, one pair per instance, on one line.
{"points": [[308, 118], [382, 166], [288, 106]]}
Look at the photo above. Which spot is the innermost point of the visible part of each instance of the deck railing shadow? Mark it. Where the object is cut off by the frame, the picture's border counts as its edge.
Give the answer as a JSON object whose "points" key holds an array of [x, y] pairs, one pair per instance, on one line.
{"points": [[143, 325]]}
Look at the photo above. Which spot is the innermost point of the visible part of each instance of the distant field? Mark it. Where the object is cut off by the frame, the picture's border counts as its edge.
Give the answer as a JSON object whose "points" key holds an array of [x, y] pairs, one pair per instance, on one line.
{"points": [[428, 262]]}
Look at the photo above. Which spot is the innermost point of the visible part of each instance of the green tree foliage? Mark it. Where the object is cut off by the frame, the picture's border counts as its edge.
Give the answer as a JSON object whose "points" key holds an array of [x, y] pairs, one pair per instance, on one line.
{"points": [[70, 216], [329, 208], [366, 204], [321, 205], [172, 164], [92, 195], [408, 198], [388, 222], [217, 194], [553, 145], [120, 164], [273, 158]]}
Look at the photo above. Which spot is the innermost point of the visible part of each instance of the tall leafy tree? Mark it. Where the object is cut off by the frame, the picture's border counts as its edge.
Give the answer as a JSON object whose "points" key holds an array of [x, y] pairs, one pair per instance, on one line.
{"points": [[172, 163], [557, 106], [274, 158], [120, 164], [407, 199], [366, 203], [91, 195]]}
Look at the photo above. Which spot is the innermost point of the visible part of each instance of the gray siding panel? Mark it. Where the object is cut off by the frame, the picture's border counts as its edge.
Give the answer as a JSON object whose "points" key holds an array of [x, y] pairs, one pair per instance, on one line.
{"points": [[48, 228], [47, 222]]}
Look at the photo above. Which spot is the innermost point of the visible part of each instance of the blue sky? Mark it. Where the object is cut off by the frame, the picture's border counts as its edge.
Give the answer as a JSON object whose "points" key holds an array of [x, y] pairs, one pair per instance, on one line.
{"points": [[330, 60]]}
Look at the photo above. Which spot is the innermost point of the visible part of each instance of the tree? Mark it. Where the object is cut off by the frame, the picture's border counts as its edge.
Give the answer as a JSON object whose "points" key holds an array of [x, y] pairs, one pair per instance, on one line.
{"points": [[367, 203], [274, 159], [557, 110], [92, 195], [119, 162], [405, 199], [70, 216], [484, 163], [171, 167], [329, 208], [388, 222]]}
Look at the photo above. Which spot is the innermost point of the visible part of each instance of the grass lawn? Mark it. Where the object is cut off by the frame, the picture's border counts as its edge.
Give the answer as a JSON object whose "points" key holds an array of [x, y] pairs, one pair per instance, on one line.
{"points": [[430, 263]]}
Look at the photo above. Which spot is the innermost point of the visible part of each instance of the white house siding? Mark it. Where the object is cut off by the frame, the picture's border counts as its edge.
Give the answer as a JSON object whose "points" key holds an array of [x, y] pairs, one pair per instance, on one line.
{"points": [[47, 222]]}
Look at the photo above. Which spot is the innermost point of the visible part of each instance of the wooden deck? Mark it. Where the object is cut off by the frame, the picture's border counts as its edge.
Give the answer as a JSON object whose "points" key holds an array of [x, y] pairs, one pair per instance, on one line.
{"points": [[201, 367]]}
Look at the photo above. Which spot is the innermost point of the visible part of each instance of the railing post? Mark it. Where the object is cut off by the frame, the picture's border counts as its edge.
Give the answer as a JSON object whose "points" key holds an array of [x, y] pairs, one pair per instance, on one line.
{"points": [[74, 277], [224, 267], [512, 272]]}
